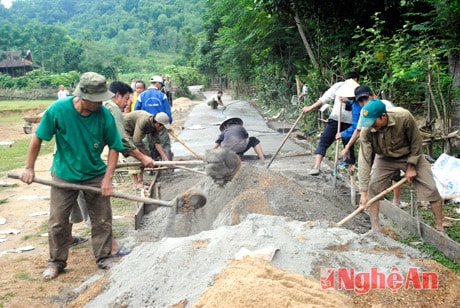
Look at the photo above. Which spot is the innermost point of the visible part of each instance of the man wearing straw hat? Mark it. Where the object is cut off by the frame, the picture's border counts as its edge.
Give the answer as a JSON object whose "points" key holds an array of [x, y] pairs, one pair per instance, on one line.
{"points": [[81, 127], [234, 137], [341, 93]]}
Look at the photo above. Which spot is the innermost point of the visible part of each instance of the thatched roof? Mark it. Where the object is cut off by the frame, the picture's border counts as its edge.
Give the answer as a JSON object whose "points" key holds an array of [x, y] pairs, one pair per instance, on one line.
{"points": [[16, 62], [16, 58]]}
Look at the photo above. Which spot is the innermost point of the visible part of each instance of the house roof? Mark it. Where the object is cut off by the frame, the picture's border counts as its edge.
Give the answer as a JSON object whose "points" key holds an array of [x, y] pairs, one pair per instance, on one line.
{"points": [[16, 58]]}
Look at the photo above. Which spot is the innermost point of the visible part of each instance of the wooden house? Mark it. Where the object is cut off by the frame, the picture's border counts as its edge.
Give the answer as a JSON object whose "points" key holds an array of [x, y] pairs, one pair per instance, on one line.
{"points": [[16, 63]]}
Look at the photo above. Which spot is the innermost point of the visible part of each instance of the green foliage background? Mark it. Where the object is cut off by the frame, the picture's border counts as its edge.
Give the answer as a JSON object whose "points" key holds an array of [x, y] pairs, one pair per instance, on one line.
{"points": [[119, 39], [407, 51]]}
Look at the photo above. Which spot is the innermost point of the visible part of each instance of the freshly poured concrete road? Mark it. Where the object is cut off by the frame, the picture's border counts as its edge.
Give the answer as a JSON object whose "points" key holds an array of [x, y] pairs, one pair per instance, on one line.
{"points": [[201, 129]]}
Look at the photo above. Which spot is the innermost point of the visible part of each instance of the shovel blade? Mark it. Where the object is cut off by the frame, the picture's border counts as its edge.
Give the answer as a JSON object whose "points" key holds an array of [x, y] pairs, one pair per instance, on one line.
{"points": [[222, 165], [190, 200]]}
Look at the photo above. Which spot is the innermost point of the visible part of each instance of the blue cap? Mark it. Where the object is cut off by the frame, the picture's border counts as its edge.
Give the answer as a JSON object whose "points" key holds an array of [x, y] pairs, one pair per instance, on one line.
{"points": [[371, 111]]}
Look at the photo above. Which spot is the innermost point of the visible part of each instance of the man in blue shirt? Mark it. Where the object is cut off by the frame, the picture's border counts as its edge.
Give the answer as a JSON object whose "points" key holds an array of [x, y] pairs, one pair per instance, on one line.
{"points": [[154, 101]]}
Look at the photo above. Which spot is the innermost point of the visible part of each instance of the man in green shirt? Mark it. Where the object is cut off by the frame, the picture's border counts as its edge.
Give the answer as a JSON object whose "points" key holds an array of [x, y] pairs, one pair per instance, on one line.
{"points": [[115, 105], [81, 127], [394, 137]]}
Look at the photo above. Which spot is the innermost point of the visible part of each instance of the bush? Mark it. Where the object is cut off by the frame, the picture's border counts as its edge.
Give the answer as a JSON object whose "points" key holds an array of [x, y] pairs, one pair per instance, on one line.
{"points": [[182, 77]]}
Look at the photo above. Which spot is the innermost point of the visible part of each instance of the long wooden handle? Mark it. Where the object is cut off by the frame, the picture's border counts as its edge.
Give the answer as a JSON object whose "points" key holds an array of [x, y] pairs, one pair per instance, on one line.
{"points": [[185, 145], [285, 138], [337, 146], [352, 187], [369, 202], [163, 163], [96, 190]]}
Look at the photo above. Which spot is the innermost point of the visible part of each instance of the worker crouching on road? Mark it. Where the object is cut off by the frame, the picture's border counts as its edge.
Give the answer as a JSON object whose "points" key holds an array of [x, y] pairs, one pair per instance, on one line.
{"points": [[234, 137], [394, 137]]}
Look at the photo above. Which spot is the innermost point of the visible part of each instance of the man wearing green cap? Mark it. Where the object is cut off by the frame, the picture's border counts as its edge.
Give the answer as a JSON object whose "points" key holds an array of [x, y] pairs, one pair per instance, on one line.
{"points": [[81, 128], [394, 137]]}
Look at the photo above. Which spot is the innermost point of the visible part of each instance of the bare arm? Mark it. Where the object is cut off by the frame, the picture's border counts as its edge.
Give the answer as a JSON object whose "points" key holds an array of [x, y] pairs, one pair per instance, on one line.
{"points": [[313, 106], [106, 185], [354, 137], [160, 151], [28, 174], [146, 160]]}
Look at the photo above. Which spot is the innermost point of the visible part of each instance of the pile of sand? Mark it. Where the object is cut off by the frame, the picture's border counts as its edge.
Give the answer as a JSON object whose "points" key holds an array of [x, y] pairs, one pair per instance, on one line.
{"points": [[253, 283]]}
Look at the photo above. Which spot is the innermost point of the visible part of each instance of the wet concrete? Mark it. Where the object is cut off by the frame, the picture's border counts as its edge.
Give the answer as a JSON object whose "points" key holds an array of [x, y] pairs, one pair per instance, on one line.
{"points": [[201, 128]]}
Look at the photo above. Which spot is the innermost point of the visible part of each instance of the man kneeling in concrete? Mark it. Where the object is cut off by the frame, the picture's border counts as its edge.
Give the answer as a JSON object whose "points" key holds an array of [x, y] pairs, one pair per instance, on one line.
{"points": [[234, 137]]}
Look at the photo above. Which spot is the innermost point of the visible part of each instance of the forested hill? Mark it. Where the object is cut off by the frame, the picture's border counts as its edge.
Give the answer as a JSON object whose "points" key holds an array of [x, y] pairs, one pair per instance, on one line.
{"points": [[133, 28]]}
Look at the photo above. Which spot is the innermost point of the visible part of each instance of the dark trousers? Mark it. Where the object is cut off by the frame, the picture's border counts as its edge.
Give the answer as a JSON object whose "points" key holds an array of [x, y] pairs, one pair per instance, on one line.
{"points": [[100, 212], [328, 137], [253, 141]]}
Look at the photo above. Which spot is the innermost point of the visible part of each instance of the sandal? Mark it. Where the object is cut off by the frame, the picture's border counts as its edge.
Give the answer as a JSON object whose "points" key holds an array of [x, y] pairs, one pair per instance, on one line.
{"points": [[123, 251], [77, 240], [50, 273]]}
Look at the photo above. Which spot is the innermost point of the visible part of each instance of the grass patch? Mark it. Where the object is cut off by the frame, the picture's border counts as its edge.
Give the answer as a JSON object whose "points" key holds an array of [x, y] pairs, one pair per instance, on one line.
{"points": [[15, 157], [11, 112], [432, 252], [18, 106], [24, 276], [448, 210], [26, 237], [5, 298], [43, 227], [14, 118]]}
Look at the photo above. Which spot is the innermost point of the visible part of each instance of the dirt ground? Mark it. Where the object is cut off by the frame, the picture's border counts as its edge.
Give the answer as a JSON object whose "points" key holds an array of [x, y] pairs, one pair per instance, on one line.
{"points": [[26, 214], [24, 252]]}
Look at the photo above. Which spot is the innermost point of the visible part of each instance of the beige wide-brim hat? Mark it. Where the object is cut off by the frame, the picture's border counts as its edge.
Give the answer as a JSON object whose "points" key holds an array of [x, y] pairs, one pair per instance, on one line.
{"points": [[233, 120], [93, 87], [347, 89], [163, 118]]}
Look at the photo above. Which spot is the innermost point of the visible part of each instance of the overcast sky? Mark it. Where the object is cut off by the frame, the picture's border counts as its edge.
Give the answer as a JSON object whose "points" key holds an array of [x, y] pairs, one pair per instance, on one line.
{"points": [[7, 3]]}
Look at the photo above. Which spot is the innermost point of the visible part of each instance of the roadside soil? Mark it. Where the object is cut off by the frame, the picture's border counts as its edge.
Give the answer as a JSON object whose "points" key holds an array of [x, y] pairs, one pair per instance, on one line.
{"points": [[23, 241], [24, 252]]}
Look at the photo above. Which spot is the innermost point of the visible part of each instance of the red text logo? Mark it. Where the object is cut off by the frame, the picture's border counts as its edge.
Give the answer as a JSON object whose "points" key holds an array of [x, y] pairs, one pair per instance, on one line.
{"points": [[363, 282]]}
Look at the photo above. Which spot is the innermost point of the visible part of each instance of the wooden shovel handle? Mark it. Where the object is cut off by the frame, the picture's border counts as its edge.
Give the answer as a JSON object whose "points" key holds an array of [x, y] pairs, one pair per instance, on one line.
{"points": [[378, 197], [163, 163], [173, 134], [115, 194], [285, 138]]}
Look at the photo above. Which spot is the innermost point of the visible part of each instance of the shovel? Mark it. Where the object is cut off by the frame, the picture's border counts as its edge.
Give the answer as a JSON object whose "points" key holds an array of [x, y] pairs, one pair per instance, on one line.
{"points": [[285, 138], [376, 198], [189, 200], [220, 164], [352, 187], [337, 144]]}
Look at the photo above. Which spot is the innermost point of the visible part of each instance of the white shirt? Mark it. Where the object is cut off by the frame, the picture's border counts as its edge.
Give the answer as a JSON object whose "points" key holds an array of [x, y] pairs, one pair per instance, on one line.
{"points": [[63, 93], [328, 96]]}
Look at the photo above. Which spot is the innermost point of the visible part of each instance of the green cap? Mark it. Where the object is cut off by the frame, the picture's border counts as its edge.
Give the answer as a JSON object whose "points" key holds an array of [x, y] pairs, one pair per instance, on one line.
{"points": [[371, 111]]}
